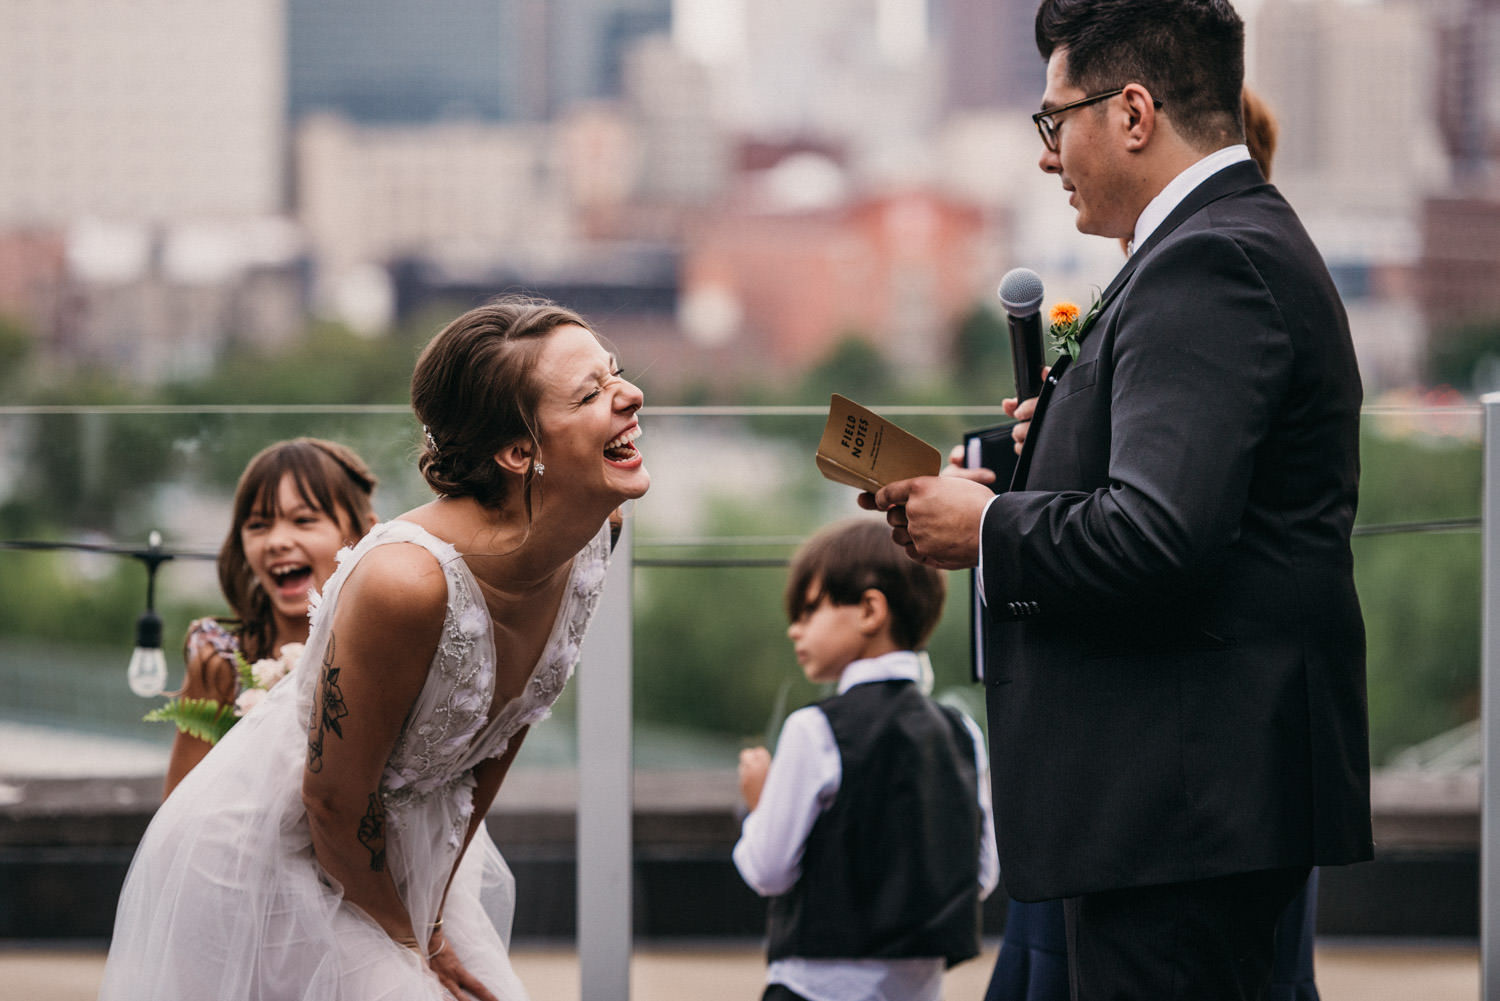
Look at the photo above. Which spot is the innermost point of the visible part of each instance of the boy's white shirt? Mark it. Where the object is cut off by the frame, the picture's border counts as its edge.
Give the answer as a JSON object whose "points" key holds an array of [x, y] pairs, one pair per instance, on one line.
{"points": [[802, 782]]}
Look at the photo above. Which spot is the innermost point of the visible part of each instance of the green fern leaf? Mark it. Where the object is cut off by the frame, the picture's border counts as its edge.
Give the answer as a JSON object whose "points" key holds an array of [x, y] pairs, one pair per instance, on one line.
{"points": [[202, 718], [242, 667]]}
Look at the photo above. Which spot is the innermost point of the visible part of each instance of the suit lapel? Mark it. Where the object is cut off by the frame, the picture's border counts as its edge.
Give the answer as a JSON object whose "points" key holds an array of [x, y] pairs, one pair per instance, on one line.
{"points": [[1228, 181], [1023, 464]]}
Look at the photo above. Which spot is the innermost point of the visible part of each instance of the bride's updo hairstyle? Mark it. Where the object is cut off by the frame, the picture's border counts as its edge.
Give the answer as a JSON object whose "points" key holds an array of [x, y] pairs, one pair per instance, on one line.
{"points": [[474, 390]]}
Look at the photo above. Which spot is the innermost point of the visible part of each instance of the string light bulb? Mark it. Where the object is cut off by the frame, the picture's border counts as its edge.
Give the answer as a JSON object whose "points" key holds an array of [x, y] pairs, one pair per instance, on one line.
{"points": [[147, 674]]}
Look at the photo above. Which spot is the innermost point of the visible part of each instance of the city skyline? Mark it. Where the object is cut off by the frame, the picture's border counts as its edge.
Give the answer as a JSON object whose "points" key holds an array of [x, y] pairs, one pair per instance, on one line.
{"points": [[192, 157]]}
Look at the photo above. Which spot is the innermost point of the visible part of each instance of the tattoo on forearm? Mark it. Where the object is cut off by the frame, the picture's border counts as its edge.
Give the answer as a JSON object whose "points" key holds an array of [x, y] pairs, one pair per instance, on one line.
{"points": [[372, 833], [328, 710]]}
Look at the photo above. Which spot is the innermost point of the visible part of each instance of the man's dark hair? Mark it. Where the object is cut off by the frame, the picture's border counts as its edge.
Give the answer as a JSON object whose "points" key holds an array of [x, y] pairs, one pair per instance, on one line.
{"points": [[1190, 54], [845, 559]]}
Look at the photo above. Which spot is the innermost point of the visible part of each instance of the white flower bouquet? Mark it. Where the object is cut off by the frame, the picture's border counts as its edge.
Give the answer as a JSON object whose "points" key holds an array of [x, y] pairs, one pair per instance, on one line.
{"points": [[208, 719]]}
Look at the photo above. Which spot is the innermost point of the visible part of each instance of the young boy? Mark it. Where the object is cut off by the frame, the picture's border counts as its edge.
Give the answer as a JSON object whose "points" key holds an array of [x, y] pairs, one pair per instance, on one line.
{"points": [[871, 831]]}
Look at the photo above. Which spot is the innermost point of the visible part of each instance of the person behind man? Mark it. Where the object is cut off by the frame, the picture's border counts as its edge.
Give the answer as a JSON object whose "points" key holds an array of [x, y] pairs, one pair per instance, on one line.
{"points": [[871, 831], [1175, 673]]}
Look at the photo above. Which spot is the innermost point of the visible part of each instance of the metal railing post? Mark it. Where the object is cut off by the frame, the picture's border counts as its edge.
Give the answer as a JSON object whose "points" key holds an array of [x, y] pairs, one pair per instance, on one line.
{"points": [[604, 788], [1489, 684]]}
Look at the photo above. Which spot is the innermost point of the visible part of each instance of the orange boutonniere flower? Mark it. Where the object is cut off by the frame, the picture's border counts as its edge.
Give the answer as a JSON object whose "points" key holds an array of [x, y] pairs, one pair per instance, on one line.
{"points": [[1066, 326], [1063, 313]]}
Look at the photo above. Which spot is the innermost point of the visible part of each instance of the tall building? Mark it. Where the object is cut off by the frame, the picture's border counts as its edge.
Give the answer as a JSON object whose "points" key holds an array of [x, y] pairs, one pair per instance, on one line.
{"points": [[1468, 103], [142, 169], [466, 194], [687, 157], [1354, 88], [378, 61], [589, 40], [989, 49], [395, 62], [156, 110]]}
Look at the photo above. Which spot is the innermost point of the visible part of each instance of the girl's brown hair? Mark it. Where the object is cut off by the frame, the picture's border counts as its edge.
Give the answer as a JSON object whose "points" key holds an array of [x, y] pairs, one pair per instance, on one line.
{"points": [[329, 477]]}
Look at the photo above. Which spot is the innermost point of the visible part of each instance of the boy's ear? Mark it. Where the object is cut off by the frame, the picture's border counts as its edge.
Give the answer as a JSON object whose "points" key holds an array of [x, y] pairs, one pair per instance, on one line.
{"points": [[516, 457], [874, 612]]}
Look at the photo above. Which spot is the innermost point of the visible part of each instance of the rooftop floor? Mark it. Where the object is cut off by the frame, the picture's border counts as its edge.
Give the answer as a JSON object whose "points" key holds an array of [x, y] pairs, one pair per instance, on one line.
{"points": [[1347, 971]]}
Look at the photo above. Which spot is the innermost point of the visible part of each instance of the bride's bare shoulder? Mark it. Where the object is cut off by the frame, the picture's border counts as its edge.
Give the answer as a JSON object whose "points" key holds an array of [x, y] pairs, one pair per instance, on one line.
{"points": [[397, 584]]}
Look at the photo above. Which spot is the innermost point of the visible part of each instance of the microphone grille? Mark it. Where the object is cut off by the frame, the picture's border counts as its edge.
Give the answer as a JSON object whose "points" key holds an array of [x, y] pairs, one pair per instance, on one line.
{"points": [[1021, 291]]}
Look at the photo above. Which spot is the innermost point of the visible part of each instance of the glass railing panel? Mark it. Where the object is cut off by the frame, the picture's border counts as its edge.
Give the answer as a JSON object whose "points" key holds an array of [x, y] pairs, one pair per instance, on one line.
{"points": [[734, 490]]}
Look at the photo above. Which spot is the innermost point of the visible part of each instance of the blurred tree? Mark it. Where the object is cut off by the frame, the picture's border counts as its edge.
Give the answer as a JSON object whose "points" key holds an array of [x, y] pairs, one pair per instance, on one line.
{"points": [[1419, 591], [981, 357], [1420, 596], [855, 368], [1467, 357], [710, 642], [329, 365], [711, 647], [15, 350]]}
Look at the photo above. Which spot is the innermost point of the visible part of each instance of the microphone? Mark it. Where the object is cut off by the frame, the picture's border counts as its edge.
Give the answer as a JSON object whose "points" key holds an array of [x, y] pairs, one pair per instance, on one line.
{"points": [[1021, 294]]}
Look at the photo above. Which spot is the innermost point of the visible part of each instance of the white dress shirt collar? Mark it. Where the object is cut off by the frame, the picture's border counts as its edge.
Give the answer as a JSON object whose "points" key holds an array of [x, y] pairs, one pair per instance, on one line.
{"points": [[901, 665], [1157, 210]]}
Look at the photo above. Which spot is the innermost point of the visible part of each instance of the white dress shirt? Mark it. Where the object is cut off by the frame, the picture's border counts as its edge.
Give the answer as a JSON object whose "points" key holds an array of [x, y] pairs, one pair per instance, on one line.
{"points": [[802, 783]]}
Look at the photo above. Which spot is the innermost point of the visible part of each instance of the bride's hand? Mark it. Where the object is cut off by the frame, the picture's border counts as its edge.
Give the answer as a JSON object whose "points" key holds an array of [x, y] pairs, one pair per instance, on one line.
{"points": [[455, 977]]}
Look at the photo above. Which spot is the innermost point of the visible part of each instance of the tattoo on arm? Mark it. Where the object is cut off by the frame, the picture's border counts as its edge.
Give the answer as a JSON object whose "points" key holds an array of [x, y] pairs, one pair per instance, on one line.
{"points": [[328, 710], [372, 832]]}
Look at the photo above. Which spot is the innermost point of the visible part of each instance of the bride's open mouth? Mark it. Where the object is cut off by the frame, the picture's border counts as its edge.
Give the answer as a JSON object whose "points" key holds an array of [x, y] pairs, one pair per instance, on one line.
{"points": [[622, 448]]}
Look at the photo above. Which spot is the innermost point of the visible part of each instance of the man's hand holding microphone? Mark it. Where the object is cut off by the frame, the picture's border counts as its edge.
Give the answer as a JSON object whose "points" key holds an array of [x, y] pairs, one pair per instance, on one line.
{"points": [[937, 518]]}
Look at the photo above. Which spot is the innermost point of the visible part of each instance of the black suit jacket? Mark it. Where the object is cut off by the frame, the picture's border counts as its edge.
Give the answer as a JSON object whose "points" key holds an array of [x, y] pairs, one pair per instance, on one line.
{"points": [[1175, 675]]}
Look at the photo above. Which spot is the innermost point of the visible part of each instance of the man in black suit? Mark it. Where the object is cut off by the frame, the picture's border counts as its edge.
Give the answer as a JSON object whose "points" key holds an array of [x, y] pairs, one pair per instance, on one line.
{"points": [[1175, 673]]}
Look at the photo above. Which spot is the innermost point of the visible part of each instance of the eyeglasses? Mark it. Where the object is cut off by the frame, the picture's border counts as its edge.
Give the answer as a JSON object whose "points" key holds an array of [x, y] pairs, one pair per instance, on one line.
{"points": [[1047, 124]]}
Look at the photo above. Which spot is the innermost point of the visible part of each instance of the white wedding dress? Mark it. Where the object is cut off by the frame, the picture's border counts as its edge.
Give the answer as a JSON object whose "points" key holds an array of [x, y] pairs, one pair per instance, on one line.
{"points": [[225, 900]]}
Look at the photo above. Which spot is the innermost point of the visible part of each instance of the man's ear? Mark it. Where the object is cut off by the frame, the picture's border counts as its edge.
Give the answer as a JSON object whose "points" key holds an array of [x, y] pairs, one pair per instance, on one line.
{"points": [[1141, 122], [516, 457], [874, 611]]}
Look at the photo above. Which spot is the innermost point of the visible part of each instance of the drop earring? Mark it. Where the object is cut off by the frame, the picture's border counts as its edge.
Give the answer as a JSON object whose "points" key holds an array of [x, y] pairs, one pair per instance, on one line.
{"points": [[538, 468]]}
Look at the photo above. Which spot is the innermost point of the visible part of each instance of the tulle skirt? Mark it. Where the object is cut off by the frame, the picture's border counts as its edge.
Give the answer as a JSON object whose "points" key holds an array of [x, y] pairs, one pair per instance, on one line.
{"points": [[225, 900]]}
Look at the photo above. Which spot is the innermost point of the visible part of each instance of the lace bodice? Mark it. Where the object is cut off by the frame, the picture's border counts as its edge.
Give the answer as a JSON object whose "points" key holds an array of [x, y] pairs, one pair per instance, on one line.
{"points": [[448, 731]]}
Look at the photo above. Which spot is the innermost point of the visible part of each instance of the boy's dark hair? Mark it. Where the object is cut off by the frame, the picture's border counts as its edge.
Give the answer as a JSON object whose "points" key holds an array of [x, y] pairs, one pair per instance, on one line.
{"points": [[1190, 54], [849, 557]]}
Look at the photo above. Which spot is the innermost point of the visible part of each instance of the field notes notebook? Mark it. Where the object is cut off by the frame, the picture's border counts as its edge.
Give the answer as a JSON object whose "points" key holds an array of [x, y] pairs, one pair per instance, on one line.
{"points": [[862, 449]]}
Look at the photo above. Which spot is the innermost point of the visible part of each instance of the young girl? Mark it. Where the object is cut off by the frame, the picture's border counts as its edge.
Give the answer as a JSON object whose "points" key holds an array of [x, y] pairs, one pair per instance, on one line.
{"points": [[297, 504]]}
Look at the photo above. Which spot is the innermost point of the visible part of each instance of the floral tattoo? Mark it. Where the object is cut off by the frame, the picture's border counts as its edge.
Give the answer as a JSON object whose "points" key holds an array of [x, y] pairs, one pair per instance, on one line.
{"points": [[328, 709], [372, 833]]}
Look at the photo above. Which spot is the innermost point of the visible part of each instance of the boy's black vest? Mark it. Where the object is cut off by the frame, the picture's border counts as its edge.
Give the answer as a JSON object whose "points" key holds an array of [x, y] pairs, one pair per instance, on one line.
{"points": [[891, 868]]}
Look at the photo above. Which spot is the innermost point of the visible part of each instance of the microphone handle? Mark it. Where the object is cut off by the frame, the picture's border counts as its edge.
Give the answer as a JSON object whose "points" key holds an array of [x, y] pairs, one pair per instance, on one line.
{"points": [[1026, 354]]}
